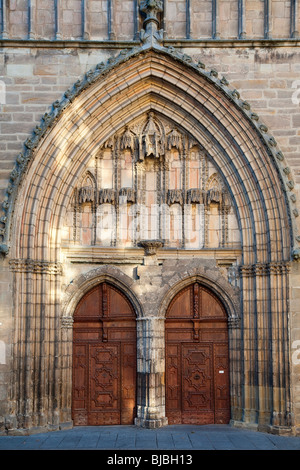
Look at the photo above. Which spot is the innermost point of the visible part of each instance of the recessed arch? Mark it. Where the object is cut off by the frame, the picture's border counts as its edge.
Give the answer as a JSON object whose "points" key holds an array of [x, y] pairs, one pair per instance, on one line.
{"points": [[200, 103], [83, 283], [217, 285]]}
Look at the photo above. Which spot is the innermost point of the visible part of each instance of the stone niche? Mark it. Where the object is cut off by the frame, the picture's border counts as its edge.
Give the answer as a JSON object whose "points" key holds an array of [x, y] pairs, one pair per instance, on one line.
{"points": [[151, 181]]}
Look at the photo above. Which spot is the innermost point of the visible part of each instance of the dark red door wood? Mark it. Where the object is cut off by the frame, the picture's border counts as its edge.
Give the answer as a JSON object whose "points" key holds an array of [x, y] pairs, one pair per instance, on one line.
{"points": [[197, 362], [104, 359]]}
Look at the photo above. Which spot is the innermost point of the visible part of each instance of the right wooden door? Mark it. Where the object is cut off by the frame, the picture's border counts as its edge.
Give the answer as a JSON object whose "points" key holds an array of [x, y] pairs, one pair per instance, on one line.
{"points": [[197, 359]]}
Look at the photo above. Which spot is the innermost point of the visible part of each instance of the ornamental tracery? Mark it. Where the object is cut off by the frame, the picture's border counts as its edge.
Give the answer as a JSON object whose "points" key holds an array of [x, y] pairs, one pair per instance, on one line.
{"points": [[151, 181]]}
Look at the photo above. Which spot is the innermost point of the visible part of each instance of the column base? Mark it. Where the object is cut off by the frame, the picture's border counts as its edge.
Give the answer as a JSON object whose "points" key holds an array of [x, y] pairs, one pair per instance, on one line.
{"points": [[279, 430], [151, 423]]}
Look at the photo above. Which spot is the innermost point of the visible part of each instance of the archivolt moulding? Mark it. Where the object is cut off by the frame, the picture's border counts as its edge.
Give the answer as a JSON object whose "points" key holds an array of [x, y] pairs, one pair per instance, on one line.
{"points": [[85, 282], [100, 72], [217, 284]]}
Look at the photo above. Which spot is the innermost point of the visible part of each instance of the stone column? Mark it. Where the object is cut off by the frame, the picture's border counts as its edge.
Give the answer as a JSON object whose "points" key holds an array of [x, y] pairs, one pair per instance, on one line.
{"points": [[215, 19], [151, 373], [66, 371], [265, 347], [150, 345], [31, 18], [235, 355], [248, 345], [35, 388], [281, 414], [241, 19], [58, 19], [4, 29], [294, 18]]}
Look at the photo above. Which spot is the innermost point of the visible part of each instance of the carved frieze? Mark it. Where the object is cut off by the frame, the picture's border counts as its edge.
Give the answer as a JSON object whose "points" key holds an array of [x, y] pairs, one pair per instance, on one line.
{"points": [[127, 195], [35, 266], [196, 196], [86, 194], [107, 196], [175, 196]]}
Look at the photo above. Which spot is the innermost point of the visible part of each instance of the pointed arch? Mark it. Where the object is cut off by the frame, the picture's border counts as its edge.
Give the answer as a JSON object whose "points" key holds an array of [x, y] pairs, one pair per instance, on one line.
{"points": [[199, 102], [245, 155]]}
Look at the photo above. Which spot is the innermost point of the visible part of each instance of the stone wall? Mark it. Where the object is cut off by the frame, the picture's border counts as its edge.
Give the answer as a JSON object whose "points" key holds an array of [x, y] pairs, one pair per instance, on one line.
{"points": [[115, 19]]}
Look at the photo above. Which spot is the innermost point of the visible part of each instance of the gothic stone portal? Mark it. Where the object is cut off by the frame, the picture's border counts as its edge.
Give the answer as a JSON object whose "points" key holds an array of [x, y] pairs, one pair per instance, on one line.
{"points": [[197, 363]]}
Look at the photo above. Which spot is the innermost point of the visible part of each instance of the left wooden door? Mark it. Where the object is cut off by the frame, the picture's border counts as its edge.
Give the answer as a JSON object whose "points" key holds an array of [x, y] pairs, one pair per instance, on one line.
{"points": [[104, 359]]}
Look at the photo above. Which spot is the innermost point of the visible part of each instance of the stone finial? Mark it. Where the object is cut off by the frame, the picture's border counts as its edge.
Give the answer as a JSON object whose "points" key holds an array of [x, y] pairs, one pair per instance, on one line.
{"points": [[149, 34], [151, 8]]}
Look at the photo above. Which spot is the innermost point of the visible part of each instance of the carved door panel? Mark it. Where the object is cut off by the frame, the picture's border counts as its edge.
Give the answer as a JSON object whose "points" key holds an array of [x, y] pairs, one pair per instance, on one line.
{"points": [[104, 387], [197, 360], [104, 359], [197, 383]]}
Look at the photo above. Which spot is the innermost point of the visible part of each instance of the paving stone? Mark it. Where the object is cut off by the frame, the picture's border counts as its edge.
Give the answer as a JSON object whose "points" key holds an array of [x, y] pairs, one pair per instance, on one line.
{"points": [[123, 438]]}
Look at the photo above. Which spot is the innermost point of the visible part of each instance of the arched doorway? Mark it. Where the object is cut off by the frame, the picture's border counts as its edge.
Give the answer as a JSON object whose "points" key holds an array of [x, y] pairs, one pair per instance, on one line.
{"points": [[104, 358], [56, 159], [197, 359]]}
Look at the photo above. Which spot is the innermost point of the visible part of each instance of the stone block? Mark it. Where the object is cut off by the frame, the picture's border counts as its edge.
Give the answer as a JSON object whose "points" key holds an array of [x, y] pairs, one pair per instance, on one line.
{"points": [[19, 70]]}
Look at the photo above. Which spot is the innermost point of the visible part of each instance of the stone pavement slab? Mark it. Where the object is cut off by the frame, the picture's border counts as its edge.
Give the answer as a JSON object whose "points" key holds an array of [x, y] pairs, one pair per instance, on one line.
{"points": [[171, 438]]}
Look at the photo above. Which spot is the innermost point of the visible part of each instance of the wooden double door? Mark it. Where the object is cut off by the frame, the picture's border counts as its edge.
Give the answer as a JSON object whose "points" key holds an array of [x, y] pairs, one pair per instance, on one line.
{"points": [[197, 363], [104, 359]]}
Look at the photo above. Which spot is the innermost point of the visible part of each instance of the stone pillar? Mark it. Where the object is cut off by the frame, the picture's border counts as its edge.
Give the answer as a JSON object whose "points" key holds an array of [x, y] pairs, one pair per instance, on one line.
{"points": [[31, 18], [35, 389], [235, 356], [150, 345], [4, 29], [281, 417], [66, 371], [241, 19], [265, 347], [151, 373], [58, 19], [248, 345]]}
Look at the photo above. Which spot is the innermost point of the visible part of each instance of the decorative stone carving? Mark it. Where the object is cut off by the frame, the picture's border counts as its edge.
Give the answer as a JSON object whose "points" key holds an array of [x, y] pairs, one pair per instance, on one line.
{"points": [[86, 194], [128, 194], [214, 195], [151, 246], [107, 196], [150, 37], [175, 196], [35, 266], [157, 163], [127, 140], [174, 139], [196, 196], [150, 34], [296, 254], [151, 140]]}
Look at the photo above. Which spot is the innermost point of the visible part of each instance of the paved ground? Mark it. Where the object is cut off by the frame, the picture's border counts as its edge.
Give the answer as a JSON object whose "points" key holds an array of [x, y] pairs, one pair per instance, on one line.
{"points": [[170, 438]]}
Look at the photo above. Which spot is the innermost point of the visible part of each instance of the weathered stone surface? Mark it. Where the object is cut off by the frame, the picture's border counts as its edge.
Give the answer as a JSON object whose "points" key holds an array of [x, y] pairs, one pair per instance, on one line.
{"points": [[44, 281]]}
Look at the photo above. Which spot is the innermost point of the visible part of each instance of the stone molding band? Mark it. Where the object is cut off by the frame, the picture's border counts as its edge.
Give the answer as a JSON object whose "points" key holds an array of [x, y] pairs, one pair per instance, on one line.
{"points": [[35, 266], [264, 269]]}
